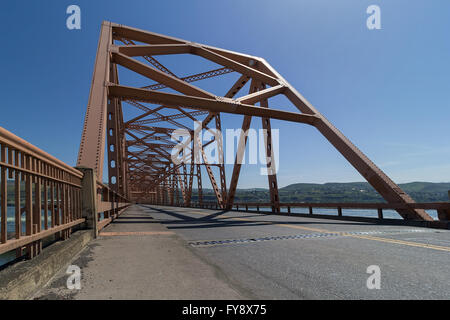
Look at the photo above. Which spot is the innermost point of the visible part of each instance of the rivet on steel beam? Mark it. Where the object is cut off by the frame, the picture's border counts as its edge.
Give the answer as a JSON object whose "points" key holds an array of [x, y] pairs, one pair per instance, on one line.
{"points": [[113, 48]]}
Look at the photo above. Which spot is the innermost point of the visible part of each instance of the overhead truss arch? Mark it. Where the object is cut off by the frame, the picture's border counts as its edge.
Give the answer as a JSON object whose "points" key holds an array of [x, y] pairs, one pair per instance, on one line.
{"points": [[138, 148]]}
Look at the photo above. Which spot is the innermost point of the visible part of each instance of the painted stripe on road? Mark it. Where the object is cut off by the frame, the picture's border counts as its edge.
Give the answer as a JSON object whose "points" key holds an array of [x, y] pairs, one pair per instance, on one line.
{"points": [[402, 242], [330, 235]]}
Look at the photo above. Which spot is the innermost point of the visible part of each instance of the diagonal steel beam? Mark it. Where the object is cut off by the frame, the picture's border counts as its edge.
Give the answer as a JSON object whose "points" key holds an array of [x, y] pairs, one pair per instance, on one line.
{"points": [[240, 153], [270, 159], [159, 76], [194, 77], [374, 175]]}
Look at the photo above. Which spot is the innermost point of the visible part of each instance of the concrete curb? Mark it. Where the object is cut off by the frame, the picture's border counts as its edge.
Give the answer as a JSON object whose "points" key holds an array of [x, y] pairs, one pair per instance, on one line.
{"points": [[23, 279]]}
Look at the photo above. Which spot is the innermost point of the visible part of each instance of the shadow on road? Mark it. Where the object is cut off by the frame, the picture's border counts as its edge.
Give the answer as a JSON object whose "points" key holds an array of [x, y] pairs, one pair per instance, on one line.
{"points": [[216, 221]]}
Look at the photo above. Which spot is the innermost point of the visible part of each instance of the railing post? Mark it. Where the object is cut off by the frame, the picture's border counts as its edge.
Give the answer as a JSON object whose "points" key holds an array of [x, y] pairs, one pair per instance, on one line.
{"points": [[380, 213], [310, 210], [289, 209], [444, 215], [339, 212], [89, 198]]}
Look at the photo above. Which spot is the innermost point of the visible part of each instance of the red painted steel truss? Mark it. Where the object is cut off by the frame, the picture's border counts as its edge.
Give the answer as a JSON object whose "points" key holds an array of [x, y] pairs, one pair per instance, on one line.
{"points": [[133, 123]]}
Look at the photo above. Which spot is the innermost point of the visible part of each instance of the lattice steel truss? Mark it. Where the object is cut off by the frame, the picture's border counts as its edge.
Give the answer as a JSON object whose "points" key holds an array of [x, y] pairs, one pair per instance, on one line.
{"points": [[138, 149]]}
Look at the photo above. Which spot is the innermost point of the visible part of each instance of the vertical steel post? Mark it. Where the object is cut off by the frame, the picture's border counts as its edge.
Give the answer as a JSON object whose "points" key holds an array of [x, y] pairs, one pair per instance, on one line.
{"points": [[89, 198], [92, 146]]}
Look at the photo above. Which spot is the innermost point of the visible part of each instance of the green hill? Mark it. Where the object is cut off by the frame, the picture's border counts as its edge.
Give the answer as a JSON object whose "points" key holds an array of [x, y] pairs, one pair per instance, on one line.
{"points": [[338, 192], [362, 192]]}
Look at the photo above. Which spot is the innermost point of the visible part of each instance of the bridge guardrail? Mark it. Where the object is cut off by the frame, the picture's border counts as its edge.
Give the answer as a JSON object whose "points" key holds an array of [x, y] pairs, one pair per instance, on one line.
{"points": [[110, 204], [41, 196], [442, 208], [46, 196]]}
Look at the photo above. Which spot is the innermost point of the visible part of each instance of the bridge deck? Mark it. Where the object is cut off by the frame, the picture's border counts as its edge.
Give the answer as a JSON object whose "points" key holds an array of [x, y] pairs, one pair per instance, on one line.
{"points": [[238, 254]]}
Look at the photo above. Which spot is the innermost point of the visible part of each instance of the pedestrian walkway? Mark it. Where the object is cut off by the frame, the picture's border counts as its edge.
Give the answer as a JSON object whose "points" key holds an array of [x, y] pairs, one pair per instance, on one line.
{"points": [[136, 257]]}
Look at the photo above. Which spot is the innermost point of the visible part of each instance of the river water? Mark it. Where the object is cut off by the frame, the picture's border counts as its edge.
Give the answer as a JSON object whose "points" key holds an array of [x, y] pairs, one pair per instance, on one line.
{"points": [[9, 256]]}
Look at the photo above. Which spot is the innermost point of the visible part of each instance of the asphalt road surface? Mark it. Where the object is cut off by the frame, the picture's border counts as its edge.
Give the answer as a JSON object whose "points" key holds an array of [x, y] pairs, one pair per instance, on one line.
{"points": [[288, 257]]}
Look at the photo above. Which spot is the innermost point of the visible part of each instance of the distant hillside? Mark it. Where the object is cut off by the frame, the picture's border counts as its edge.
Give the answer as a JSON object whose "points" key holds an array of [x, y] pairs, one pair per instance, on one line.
{"points": [[339, 192], [362, 191]]}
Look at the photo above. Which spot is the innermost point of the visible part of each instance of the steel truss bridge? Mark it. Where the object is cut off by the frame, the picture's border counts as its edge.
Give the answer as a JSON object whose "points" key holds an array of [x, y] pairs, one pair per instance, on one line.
{"points": [[129, 124]]}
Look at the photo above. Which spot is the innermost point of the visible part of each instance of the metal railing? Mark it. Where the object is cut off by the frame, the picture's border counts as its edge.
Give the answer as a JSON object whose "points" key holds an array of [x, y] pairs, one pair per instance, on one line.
{"points": [[353, 205], [442, 209], [109, 204], [45, 195], [41, 196]]}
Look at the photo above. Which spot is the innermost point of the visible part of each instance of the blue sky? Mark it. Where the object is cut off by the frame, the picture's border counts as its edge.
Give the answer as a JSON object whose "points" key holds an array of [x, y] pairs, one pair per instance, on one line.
{"points": [[387, 90]]}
